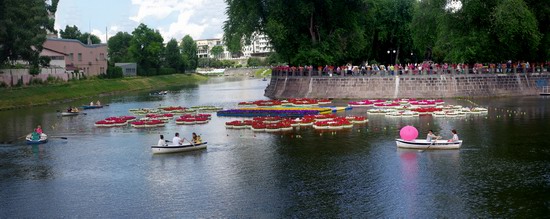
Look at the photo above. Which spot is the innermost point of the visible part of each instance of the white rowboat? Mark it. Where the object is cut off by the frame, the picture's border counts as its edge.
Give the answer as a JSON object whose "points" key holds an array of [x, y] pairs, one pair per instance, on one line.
{"points": [[422, 144], [177, 148]]}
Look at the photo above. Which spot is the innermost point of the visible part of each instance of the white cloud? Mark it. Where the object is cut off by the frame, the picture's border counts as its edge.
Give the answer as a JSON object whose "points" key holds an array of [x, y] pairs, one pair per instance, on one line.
{"points": [[198, 18]]}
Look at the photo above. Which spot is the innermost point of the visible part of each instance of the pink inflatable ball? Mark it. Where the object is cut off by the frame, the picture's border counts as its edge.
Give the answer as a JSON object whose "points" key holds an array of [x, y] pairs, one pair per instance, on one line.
{"points": [[408, 133]]}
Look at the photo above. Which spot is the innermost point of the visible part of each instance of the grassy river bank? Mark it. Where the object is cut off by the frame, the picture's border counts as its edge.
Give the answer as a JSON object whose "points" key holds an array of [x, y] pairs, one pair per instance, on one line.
{"points": [[13, 98]]}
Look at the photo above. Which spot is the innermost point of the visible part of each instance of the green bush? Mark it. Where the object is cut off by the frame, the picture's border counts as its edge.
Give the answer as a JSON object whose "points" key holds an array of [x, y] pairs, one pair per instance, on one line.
{"points": [[19, 82], [166, 71], [36, 81]]}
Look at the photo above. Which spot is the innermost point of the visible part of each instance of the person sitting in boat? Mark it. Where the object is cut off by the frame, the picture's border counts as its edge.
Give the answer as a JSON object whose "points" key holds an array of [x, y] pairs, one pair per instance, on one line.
{"points": [[38, 130], [455, 136], [162, 142], [196, 139], [97, 103], [431, 136], [177, 140], [92, 103], [75, 110], [70, 109]]}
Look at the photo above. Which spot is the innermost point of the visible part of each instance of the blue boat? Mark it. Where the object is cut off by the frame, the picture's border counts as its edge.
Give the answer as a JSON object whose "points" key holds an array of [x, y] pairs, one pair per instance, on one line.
{"points": [[43, 139], [91, 107]]}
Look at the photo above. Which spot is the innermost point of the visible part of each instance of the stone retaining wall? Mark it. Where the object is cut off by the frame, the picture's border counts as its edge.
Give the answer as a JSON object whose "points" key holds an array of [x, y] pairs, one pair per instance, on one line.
{"points": [[420, 86], [12, 76]]}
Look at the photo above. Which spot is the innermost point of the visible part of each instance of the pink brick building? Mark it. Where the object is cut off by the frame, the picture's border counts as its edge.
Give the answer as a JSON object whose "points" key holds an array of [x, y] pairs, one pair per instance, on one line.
{"points": [[90, 59]]}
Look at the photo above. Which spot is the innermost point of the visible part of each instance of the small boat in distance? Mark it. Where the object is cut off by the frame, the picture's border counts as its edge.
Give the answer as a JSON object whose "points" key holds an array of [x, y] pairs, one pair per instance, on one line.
{"points": [[36, 140], [177, 148], [70, 113], [264, 79], [92, 106], [422, 144]]}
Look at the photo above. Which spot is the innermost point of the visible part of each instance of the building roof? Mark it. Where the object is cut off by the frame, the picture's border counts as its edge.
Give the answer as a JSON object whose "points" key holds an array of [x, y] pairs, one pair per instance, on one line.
{"points": [[77, 41], [55, 51]]}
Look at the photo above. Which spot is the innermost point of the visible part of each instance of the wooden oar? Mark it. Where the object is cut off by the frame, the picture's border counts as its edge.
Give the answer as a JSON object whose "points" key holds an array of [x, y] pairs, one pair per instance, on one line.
{"points": [[189, 142], [58, 137]]}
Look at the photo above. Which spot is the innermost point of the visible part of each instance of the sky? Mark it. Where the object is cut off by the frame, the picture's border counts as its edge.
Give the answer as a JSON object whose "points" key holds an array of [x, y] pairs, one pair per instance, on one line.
{"points": [[201, 19]]}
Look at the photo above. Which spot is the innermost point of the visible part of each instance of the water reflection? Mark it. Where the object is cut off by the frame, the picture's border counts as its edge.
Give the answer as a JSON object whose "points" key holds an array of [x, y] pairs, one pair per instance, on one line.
{"points": [[355, 173]]}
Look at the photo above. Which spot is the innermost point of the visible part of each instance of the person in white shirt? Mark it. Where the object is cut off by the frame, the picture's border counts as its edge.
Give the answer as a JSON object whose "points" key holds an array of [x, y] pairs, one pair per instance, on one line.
{"points": [[162, 142], [177, 140], [455, 136]]}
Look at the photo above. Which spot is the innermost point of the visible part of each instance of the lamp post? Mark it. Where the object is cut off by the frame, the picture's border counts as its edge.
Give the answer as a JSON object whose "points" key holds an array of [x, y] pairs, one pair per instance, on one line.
{"points": [[390, 57], [393, 61]]}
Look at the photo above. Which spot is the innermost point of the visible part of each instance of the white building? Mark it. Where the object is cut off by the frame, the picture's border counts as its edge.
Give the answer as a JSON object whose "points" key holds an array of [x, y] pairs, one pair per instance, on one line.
{"points": [[259, 47]]}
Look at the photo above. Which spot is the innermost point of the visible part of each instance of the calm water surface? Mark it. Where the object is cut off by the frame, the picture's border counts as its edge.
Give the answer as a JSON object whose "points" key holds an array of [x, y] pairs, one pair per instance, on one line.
{"points": [[502, 170]]}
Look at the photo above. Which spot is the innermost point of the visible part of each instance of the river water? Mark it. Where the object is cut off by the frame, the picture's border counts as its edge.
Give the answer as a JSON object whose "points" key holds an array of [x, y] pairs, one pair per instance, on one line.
{"points": [[502, 169]]}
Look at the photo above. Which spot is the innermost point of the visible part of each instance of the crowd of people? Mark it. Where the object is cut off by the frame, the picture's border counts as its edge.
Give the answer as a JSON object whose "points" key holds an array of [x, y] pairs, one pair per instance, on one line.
{"points": [[427, 67]]}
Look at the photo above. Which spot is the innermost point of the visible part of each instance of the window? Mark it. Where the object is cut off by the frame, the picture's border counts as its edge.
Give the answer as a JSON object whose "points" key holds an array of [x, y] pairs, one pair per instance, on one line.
{"points": [[101, 70], [71, 56], [101, 57], [79, 56]]}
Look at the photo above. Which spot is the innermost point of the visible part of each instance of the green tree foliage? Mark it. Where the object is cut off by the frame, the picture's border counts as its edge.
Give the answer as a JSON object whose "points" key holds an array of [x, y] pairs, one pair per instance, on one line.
{"points": [[172, 56], [23, 29], [118, 46], [72, 32], [541, 10], [515, 27], [424, 26], [146, 48], [217, 51], [215, 63], [93, 38], [392, 28], [189, 53], [303, 31], [254, 62], [335, 32]]}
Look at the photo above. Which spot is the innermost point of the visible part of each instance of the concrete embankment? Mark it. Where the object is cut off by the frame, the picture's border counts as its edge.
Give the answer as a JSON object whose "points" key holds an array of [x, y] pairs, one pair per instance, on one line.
{"points": [[420, 86]]}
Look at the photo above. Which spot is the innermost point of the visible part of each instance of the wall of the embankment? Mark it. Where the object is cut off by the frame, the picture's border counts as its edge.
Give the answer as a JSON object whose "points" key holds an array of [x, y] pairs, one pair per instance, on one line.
{"points": [[422, 86]]}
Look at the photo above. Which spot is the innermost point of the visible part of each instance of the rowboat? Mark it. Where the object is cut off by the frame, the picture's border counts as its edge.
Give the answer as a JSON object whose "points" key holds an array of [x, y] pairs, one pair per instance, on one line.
{"points": [[43, 139], [428, 145], [177, 148], [92, 107], [70, 113]]}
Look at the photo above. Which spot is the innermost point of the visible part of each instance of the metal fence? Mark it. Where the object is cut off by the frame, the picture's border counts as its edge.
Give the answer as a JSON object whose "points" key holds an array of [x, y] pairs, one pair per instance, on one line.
{"points": [[310, 72]]}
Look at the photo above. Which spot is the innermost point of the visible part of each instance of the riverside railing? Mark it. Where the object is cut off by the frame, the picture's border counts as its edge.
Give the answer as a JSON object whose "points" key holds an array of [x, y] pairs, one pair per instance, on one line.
{"points": [[310, 72]]}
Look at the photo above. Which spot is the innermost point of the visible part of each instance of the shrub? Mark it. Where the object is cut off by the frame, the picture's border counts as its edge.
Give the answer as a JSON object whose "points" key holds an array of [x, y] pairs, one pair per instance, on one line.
{"points": [[36, 81], [19, 82], [166, 71]]}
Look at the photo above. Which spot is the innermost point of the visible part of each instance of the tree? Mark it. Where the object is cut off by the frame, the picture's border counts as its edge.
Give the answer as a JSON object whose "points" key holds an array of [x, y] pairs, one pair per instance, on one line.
{"points": [[172, 55], [189, 53], [23, 29], [541, 10], [515, 23], [74, 33], [303, 31], [253, 62], [93, 38], [424, 25], [146, 48], [217, 51], [70, 32], [118, 46]]}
